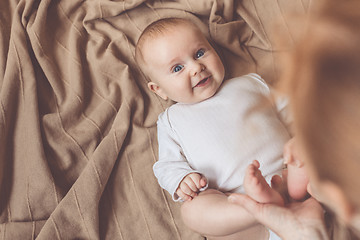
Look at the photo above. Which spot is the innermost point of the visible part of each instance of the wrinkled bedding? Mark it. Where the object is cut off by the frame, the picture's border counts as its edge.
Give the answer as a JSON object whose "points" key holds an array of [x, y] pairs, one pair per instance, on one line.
{"points": [[77, 123]]}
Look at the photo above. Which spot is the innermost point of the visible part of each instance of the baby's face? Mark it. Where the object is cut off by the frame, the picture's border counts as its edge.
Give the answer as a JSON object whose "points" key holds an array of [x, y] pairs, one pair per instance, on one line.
{"points": [[182, 65]]}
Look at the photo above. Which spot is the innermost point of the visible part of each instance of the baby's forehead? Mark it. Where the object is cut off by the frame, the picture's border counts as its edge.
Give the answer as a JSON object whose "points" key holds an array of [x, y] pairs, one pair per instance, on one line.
{"points": [[165, 36]]}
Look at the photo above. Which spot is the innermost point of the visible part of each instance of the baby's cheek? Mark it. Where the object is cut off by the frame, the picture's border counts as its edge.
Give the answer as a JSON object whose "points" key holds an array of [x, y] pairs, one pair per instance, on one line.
{"points": [[220, 68]]}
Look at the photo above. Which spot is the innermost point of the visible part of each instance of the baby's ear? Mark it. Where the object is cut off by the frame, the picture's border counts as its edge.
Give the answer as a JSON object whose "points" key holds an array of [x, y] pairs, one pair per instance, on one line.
{"points": [[157, 89]]}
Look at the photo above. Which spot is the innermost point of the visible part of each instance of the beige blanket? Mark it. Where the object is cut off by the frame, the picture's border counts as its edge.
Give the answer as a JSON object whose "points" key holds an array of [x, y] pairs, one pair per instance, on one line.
{"points": [[77, 123]]}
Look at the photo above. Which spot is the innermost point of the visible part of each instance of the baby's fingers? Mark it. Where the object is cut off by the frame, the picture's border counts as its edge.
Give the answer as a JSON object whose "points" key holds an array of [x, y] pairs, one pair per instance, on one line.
{"points": [[199, 181], [203, 181], [189, 187], [182, 195]]}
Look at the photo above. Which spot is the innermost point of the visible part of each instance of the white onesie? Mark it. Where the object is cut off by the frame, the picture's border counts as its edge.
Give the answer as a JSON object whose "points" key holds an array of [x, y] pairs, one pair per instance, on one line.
{"points": [[219, 137]]}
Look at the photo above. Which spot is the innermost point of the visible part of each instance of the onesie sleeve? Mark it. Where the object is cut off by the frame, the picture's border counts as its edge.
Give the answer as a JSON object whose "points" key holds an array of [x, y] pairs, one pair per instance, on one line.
{"points": [[171, 166]]}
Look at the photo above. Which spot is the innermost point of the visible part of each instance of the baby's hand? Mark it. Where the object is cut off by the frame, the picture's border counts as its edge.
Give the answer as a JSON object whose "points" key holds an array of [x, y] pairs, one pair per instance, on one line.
{"points": [[190, 186]]}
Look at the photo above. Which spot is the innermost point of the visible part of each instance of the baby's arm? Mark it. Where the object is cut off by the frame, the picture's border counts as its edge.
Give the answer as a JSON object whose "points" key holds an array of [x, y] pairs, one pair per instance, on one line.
{"points": [[190, 186], [172, 167]]}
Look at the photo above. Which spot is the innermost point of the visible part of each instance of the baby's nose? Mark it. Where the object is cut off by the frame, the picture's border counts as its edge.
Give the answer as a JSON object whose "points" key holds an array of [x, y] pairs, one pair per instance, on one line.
{"points": [[197, 68]]}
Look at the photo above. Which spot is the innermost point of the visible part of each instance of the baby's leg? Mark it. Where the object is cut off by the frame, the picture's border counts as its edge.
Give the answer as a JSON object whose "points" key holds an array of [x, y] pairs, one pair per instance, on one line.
{"points": [[257, 188], [212, 215]]}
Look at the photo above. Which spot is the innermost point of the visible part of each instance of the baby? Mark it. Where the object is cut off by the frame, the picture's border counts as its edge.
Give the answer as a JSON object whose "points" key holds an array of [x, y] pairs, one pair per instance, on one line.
{"points": [[210, 137]]}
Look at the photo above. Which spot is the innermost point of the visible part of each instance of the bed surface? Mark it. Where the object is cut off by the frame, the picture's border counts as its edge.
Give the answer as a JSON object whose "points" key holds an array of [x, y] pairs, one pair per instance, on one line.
{"points": [[77, 122]]}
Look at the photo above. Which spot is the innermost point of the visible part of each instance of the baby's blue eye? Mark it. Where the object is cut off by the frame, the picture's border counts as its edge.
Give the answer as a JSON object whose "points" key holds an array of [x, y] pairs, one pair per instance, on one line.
{"points": [[200, 53], [177, 68]]}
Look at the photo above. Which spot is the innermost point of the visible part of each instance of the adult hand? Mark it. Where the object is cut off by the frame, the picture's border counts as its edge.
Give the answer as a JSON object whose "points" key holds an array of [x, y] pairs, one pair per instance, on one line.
{"points": [[297, 220]]}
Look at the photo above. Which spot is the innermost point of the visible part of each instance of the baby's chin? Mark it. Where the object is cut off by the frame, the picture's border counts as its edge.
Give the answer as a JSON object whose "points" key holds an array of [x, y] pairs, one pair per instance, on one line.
{"points": [[205, 97]]}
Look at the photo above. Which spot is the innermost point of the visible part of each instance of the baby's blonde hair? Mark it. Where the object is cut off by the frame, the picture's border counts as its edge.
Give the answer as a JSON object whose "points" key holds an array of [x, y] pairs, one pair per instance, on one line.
{"points": [[154, 30]]}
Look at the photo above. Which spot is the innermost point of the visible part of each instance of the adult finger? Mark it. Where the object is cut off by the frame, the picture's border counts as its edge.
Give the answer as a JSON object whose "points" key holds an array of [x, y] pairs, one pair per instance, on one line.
{"points": [[272, 216]]}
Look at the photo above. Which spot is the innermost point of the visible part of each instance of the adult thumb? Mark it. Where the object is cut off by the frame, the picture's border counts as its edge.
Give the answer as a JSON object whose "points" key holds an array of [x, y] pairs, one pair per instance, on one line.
{"points": [[269, 215]]}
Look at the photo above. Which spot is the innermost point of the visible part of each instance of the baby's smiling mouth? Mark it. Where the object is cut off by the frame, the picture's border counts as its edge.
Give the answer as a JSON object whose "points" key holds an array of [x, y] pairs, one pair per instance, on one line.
{"points": [[203, 82]]}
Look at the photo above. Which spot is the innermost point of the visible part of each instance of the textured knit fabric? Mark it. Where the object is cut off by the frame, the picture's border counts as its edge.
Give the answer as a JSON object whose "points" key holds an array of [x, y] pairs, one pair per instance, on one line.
{"points": [[219, 137]]}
